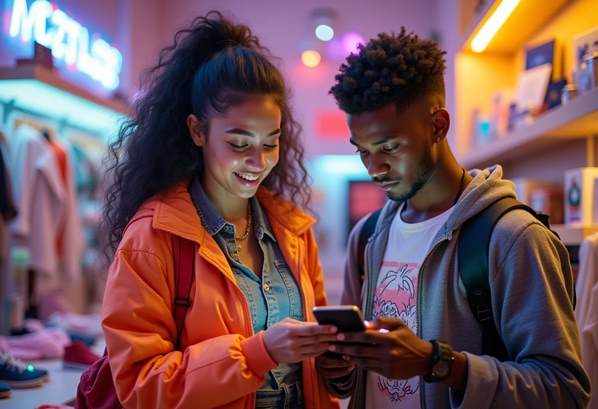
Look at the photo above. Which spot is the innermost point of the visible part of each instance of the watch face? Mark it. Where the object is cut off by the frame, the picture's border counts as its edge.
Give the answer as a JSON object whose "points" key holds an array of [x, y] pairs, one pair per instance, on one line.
{"points": [[441, 369]]}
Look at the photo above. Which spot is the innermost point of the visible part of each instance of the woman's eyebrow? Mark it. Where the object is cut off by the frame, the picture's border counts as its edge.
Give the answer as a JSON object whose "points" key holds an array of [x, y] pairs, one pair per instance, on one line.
{"points": [[239, 131]]}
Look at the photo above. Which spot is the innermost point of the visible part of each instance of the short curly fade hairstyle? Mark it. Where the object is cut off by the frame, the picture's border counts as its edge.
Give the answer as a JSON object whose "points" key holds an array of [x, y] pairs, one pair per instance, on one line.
{"points": [[391, 68]]}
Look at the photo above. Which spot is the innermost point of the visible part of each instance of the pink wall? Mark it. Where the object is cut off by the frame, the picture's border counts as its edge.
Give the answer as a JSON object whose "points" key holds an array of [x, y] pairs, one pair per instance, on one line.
{"points": [[284, 25], [140, 28]]}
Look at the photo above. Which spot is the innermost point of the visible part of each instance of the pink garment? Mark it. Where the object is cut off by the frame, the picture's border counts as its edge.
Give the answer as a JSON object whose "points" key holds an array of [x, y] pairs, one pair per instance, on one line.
{"points": [[62, 163], [45, 206], [586, 311], [34, 325], [44, 344]]}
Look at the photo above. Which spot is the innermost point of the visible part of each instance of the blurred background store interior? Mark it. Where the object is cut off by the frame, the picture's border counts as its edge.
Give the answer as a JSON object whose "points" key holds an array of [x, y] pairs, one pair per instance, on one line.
{"points": [[528, 100]]}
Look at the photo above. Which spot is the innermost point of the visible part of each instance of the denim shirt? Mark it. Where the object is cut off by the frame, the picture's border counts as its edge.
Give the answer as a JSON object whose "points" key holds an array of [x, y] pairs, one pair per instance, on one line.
{"points": [[272, 297]]}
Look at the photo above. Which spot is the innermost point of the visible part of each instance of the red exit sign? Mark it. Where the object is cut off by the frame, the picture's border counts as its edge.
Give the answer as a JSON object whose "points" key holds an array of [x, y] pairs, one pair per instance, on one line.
{"points": [[331, 125]]}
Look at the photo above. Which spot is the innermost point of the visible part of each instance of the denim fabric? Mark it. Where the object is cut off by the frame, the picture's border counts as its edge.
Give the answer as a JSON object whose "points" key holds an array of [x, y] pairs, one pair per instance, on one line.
{"points": [[287, 397], [272, 296]]}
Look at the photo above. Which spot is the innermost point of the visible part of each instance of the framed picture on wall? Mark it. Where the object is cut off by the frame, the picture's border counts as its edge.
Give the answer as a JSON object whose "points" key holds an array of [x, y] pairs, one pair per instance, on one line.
{"points": [[363, 197]]}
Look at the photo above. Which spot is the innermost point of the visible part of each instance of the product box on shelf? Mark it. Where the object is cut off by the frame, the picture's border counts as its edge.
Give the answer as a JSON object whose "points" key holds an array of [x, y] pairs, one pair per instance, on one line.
{"points": [[585, 45], [543, 197], [580, 196]]}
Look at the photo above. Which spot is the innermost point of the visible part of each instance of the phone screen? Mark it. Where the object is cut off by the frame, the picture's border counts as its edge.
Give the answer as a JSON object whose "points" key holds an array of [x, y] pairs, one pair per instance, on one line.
{"points": [[347, 318]]}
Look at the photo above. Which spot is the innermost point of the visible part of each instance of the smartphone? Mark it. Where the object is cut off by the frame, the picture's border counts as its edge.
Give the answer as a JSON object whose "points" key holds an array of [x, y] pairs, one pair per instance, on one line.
{"points": [[347, 318]]}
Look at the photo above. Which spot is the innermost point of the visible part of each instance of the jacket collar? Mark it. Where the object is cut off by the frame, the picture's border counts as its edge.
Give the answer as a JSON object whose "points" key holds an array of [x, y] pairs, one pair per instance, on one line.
{"points": [[174, 212], [214, 222]]}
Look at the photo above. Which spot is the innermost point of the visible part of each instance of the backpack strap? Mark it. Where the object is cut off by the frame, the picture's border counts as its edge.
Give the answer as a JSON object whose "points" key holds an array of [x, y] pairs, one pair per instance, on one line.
{"points": [[473, 253], [366, 231], [184, 257]]}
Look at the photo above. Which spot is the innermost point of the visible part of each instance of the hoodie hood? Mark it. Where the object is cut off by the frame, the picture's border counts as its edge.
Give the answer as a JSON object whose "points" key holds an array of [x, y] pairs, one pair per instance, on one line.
{"points": [[486, 187]]}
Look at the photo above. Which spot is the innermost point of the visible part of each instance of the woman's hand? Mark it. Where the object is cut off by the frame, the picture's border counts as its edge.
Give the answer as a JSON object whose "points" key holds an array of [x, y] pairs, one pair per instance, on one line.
{"points": [[290, 341], [333, 366]]}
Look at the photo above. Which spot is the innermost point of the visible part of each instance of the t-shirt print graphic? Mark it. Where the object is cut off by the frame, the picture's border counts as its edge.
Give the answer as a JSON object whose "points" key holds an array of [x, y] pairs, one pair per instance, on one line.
{"points": [[396, 296]]}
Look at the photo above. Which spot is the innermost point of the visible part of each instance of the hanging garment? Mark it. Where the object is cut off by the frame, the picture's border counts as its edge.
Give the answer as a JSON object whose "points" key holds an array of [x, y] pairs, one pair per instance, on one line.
{"points": [[86, 171], [8, 211], [586, 311], [47, 206], [62, 162]]}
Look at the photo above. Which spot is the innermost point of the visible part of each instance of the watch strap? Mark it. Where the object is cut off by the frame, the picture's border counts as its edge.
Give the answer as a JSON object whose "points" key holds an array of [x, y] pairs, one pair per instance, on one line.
{"points": [[442, 354]]}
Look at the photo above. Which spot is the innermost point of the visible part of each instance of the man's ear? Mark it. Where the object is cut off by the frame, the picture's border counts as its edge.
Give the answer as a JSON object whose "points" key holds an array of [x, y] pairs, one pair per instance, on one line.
{"points": [[196, 130], [441, 122]]}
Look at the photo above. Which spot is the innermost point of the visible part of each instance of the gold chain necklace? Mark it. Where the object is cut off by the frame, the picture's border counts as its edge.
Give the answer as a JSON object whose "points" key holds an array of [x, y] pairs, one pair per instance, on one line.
{"points": [[247, 227]]}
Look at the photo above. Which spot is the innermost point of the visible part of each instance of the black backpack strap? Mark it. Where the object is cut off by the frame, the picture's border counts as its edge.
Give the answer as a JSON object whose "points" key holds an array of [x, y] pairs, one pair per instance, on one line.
{"points": [[473, 248], [366, 231], [184, 259]]}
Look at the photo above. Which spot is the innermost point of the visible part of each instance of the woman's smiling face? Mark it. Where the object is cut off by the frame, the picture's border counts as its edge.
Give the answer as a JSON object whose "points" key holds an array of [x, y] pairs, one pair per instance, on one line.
{"points": [[240, 148]]}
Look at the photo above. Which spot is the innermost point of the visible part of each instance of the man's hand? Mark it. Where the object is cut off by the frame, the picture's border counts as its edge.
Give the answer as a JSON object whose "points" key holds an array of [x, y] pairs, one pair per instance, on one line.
{"points": [[389, 347]]}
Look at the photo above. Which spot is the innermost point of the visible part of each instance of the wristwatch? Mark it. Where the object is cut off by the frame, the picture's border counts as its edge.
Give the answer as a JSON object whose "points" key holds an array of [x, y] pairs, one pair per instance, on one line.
{"points": [[441, 363]]}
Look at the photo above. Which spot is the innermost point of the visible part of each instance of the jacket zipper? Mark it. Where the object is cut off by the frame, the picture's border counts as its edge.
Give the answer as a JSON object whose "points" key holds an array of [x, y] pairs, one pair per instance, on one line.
{"points": [[362, 374], [418, 316], [369, 279], [361, 381]]}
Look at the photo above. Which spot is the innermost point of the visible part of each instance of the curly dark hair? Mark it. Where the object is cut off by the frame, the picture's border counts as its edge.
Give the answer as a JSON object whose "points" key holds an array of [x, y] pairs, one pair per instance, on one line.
{"points": [[391, 68], [211, 66]]}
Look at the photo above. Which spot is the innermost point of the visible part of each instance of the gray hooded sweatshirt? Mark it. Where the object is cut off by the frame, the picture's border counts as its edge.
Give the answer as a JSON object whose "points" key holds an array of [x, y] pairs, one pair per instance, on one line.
{"points": [[531, 303]]}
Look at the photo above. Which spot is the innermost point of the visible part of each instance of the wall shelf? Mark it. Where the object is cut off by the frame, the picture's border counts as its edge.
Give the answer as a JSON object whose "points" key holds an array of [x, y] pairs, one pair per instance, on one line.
{"points": [[53, 79], [42, 91], [526, 19], [577, 119]]}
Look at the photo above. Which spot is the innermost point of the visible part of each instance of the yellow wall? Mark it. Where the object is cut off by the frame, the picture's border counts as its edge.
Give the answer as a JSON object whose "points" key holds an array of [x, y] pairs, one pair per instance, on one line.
{"points": [[575, 19]]}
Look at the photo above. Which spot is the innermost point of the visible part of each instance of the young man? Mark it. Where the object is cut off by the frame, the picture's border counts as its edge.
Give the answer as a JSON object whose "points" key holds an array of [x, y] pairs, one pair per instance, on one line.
{"points": [[393, 94]]}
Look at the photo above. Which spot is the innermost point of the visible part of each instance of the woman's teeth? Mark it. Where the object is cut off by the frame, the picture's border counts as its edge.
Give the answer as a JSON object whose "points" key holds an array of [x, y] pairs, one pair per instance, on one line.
{"points": [[247, 176]]}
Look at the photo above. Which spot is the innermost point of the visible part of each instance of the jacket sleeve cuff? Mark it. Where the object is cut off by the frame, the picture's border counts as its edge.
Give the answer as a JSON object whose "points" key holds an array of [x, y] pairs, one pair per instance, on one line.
{"points": [[258, 358], [482, 376]]}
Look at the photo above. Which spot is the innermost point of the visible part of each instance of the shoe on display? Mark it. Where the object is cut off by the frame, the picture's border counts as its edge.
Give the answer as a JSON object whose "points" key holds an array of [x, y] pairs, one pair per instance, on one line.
{"points": [[4, 391], [17, 374], [87, 340], [43, 344], [78, 356]]}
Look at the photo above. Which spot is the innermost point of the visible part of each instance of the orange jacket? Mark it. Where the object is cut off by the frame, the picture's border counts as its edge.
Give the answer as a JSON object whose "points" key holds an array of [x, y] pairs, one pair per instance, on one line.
{"points": [[221, 362]]}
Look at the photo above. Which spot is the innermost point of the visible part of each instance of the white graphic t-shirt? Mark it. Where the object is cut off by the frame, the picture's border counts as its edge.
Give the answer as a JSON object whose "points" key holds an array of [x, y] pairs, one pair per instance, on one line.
{"points": [[396, 296]]}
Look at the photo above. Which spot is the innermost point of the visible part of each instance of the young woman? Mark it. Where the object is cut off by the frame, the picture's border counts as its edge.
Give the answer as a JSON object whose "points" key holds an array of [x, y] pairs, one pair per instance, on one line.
{"points": [[210, 153]]}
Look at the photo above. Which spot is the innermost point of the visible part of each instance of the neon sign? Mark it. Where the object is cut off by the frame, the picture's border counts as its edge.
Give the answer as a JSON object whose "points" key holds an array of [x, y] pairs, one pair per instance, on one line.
{"points": [[68, 40]]}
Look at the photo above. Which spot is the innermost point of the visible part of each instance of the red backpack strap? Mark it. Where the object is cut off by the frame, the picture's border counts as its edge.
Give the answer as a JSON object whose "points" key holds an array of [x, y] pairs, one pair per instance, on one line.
{"points": [[184, 257]]}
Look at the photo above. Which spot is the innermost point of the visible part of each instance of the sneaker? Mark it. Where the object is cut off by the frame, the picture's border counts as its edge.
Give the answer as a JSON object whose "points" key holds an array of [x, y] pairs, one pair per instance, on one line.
{"points": [[87, 340], [78, 356], [17, 374], [4, 391]]}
